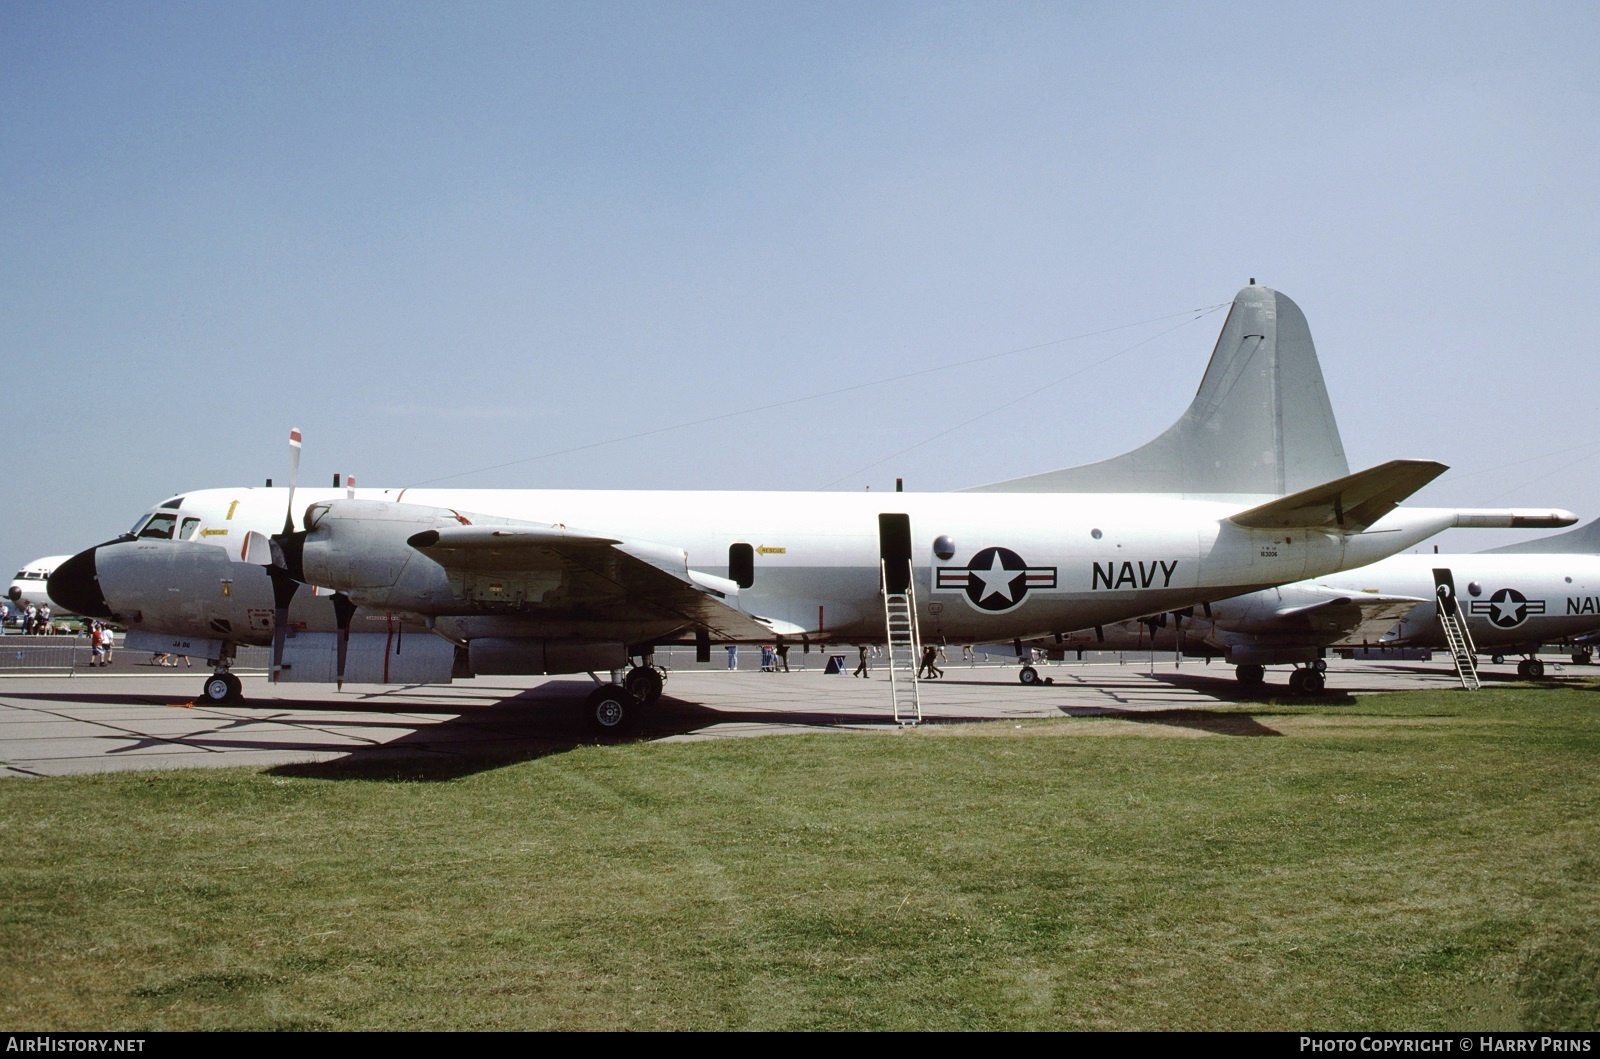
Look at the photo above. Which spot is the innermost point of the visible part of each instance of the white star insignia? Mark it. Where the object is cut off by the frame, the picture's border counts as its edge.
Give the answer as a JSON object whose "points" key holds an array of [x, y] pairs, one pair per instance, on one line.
{"points": [[996, 580]]}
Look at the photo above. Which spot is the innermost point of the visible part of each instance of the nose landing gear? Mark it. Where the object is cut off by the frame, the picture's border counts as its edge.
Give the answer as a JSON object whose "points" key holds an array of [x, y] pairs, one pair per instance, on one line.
{"points": [[222, 687]]}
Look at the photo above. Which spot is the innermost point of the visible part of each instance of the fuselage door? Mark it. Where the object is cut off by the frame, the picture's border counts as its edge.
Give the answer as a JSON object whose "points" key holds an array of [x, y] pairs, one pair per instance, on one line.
{"points": [[894, 548]]}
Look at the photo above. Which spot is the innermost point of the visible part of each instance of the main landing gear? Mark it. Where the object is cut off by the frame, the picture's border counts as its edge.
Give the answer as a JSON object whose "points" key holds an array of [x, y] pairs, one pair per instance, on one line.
{"points": [[1530, 669], [1305, 680], [614, 707]]}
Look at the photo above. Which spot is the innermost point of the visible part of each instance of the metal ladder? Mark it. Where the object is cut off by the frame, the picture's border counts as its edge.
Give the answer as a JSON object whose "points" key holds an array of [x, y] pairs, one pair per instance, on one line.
{"points": [[1459, 639], [905, 649]]}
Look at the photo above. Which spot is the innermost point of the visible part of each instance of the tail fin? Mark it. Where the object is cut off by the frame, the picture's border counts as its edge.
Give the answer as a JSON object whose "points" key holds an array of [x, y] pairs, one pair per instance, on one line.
{"points": [[1585, 540], [1260, 424]]}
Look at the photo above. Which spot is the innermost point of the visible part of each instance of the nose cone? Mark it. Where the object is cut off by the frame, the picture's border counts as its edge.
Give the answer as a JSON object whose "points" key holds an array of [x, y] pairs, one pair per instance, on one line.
{"points": [[75, 587]]}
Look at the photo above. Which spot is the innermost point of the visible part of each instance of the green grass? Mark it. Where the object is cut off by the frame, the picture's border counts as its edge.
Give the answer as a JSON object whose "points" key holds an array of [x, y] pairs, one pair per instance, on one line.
{"points": [[1409, 862]]}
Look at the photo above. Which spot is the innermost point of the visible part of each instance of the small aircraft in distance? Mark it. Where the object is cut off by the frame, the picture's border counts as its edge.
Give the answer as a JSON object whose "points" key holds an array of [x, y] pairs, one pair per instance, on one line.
{"points": [[1516, 598], [1250, 488], [29, 586]]}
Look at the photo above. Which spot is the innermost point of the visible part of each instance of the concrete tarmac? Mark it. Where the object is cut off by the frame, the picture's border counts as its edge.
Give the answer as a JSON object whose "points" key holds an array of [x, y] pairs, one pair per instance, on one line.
{"points": [[144, 717]]}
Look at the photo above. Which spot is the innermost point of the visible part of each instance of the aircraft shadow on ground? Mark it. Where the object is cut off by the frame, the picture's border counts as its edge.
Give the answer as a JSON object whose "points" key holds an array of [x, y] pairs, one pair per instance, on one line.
{"points": [[1235, 724], [525, 726]]}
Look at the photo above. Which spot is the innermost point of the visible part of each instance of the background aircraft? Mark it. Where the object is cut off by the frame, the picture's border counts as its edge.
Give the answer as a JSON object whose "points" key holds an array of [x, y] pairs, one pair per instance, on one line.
{"points": [[1514, 599], [29, 586], [1249, 488]]}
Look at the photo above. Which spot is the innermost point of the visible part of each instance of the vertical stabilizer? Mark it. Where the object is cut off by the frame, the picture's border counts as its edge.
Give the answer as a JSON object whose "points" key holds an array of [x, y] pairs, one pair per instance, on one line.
{"points": [[1259, 424]]}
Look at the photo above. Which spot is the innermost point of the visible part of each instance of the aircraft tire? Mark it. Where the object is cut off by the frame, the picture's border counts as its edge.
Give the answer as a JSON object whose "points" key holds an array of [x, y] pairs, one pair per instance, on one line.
{"points": [[1320, 665], [610, 709], [1029, 675], [1312, 682], [1582, 658], [220, 688], [1297, 682], [1250, 676], [1535, 669], [644, 683], [1498, 660]]}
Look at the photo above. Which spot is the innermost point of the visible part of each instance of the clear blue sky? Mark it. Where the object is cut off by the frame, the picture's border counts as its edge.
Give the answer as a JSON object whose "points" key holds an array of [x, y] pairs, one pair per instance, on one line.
{"points": [[441, 237]]}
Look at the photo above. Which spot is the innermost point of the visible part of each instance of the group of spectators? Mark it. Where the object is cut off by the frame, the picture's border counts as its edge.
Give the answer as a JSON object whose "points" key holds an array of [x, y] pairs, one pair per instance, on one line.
{"points": [[35, 621]]}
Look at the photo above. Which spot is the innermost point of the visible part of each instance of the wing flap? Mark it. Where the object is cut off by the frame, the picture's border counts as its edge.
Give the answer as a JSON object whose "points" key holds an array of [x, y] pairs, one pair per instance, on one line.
{"points": [[598, 576], [1355, 616]]}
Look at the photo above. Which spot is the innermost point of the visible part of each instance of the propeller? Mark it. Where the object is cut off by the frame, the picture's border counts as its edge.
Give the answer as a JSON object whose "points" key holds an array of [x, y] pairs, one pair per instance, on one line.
{"points": [[283, 554], [287, 549]]}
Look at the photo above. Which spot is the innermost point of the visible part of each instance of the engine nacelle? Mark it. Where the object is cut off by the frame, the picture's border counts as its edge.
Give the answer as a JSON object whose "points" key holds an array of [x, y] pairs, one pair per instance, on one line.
{"points": [[359, 547]]}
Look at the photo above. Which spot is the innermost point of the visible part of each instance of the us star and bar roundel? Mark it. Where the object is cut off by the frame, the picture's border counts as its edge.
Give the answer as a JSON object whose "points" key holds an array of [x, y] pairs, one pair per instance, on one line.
{"points": [[1507, 608], [996, 579]]}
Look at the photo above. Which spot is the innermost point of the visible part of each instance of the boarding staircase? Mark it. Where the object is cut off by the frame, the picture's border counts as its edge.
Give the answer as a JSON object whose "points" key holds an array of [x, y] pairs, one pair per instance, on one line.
{"points": [[905, 649], [1459, 640]]}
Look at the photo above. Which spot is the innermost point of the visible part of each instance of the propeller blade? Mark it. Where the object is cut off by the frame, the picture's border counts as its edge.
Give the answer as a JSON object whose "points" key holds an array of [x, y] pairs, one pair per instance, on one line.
{"points": [[343, 611], [283, 589], [257, 550], [294, 476], [287, 574]]}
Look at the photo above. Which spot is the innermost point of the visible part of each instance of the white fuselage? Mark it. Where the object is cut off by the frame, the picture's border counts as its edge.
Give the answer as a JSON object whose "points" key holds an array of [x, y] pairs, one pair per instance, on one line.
{"points": [[1015, 565]]}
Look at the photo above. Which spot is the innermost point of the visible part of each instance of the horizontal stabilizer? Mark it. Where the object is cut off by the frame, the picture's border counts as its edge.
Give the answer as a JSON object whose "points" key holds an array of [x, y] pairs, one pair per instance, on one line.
{"points": [[1345, 505]]}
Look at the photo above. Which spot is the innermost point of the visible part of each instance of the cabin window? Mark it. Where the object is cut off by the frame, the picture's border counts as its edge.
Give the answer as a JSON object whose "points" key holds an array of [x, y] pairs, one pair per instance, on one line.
{"points": [[160, 525], [742, 565]]}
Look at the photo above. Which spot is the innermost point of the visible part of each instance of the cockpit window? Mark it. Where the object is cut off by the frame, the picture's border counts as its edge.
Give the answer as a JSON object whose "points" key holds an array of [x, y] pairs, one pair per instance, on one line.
{"points": [[160, 525], [188, 528]]}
